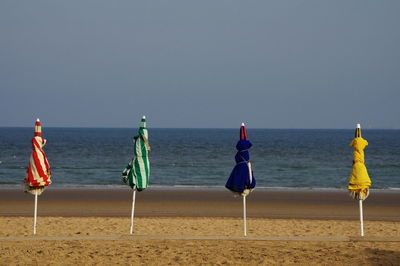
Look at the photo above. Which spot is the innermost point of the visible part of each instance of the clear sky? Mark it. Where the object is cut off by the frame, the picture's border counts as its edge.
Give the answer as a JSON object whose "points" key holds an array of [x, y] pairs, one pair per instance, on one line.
{"points": [[204, 63]]}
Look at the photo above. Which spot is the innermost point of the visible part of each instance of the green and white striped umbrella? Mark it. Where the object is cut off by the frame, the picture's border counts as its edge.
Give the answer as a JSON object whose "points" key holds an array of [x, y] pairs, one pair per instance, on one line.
{"points": [[137, 173]]}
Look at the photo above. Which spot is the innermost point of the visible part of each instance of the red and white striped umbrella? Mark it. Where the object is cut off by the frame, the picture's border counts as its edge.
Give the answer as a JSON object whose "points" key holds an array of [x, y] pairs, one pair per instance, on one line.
{"points": [[38, 171]]}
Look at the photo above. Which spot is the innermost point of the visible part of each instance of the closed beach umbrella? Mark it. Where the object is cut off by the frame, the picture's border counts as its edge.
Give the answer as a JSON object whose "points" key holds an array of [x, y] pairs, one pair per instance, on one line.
{"points": [[241, 180], [38, 173], [359, 182], [137, 173]]}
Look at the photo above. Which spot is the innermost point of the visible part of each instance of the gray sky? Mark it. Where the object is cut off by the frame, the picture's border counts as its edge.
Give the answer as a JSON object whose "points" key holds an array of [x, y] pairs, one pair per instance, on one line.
{"points": [[271, 64]]}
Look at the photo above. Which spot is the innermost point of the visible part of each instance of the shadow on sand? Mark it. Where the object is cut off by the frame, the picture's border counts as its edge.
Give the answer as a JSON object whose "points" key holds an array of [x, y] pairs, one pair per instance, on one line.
{"points": [[383, 257]]}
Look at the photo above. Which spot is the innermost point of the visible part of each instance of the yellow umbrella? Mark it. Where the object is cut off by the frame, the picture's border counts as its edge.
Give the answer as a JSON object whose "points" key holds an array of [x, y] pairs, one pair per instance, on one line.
{"points": [[359, 182]]}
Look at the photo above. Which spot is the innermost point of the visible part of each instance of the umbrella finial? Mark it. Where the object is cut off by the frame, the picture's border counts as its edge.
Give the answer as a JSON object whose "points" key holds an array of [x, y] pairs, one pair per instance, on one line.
{"points": [[358, 131], [38, 128], [243, 132], [143, 122]]}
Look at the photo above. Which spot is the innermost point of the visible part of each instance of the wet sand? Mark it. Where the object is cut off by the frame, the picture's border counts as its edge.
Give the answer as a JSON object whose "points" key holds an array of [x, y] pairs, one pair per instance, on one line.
{"points": [[184, 202]]}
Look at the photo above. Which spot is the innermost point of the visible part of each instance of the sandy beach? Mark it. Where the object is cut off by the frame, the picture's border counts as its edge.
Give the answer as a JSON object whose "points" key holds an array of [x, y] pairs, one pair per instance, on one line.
{"points": [[198, 226]]}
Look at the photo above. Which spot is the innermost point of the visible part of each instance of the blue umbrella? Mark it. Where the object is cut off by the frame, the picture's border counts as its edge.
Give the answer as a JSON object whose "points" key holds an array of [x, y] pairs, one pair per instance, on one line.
{"points": [[241, 180]]}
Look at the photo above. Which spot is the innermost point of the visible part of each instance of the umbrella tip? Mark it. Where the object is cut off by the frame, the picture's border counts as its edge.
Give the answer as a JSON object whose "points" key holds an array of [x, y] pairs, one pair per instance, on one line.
{"points": [[358, 125], [37, 120], [242, 124]]}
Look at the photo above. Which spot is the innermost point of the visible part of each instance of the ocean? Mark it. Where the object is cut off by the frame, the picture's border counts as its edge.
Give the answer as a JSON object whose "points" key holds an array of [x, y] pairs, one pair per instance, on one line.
{"points": [[284, 158]]}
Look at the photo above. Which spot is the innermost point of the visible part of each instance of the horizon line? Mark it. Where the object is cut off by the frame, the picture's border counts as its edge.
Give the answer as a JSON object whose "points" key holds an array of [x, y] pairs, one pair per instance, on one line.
{"points": [[272, 128]]}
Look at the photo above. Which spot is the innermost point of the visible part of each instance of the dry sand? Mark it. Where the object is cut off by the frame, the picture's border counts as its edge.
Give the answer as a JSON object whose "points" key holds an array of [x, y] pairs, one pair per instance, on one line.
{"points": [[184, 228]]}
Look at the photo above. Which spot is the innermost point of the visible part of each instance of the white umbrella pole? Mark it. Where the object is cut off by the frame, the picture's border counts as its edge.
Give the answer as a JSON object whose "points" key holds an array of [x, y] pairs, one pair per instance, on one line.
{"points": [[35, 213], [133, 209], [361, 218], [244, 216]]}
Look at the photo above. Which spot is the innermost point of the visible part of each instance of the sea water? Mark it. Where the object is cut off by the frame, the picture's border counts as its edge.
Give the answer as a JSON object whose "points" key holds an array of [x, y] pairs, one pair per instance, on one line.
{"points": [[288, 158]]}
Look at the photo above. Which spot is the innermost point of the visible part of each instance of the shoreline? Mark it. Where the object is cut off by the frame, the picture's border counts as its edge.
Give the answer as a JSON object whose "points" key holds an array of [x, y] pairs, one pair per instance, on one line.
{"points": [[189, 187], [204, 202]]}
